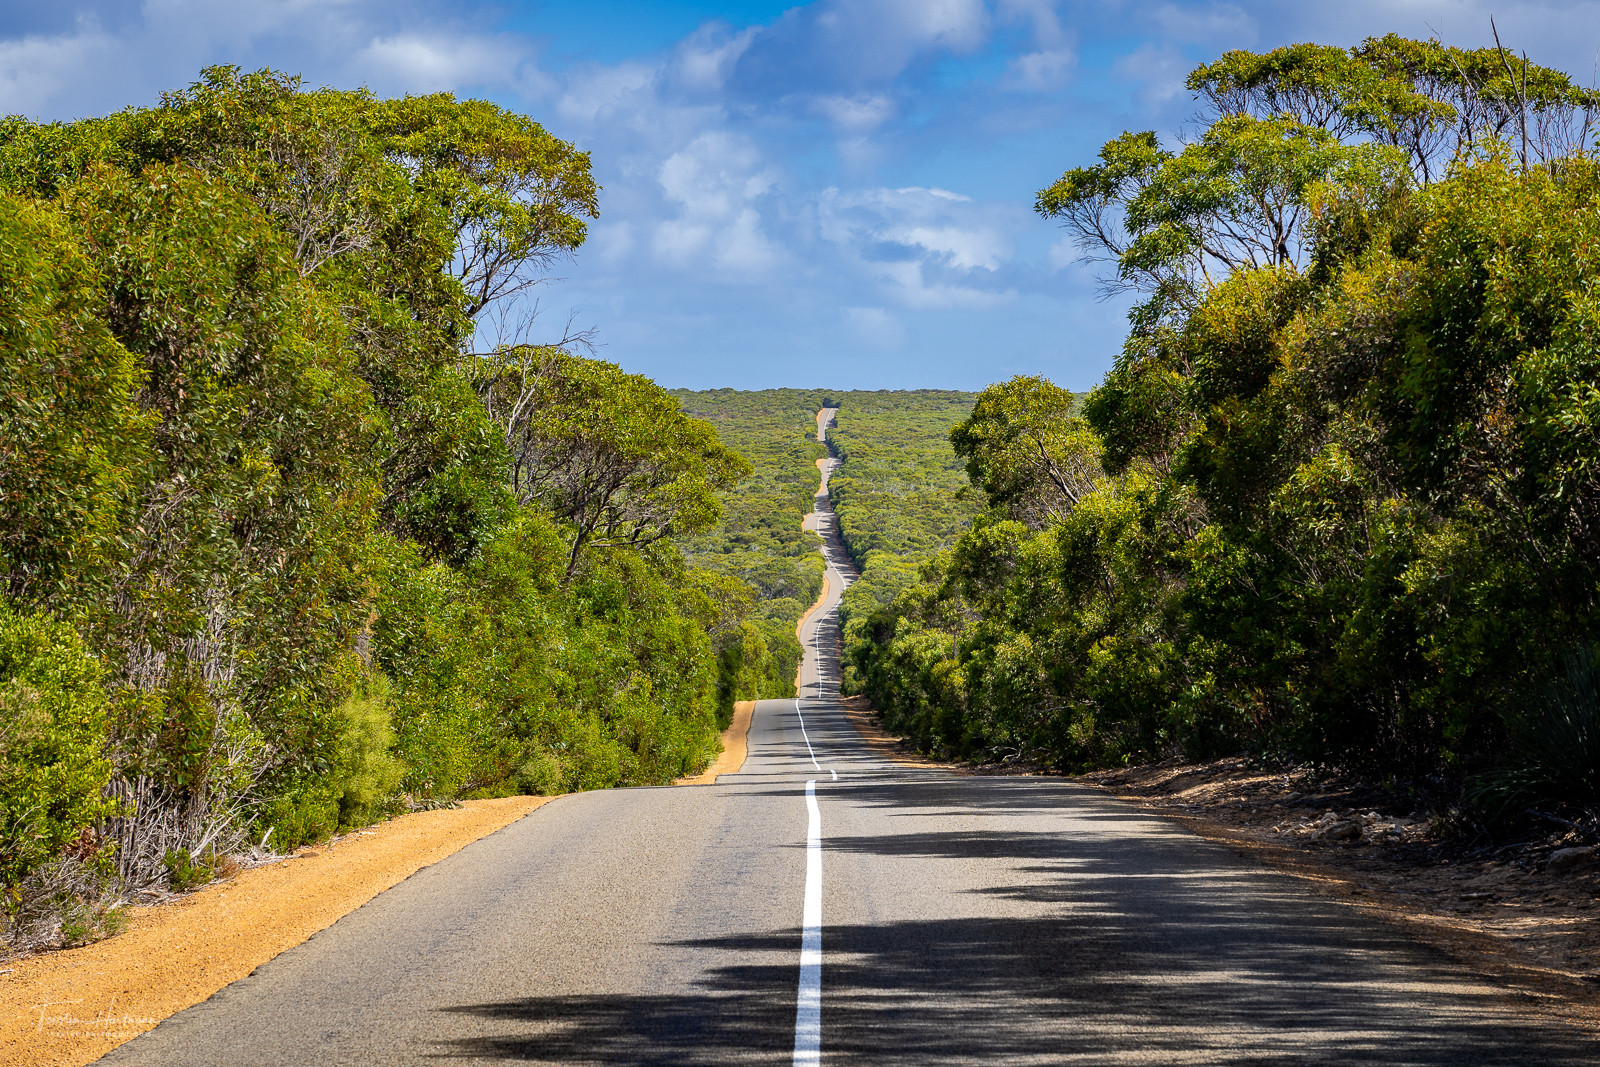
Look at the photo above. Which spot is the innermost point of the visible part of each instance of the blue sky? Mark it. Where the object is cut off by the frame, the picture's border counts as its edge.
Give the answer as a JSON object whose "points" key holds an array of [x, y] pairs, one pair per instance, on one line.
{"points": [[836, 193]]}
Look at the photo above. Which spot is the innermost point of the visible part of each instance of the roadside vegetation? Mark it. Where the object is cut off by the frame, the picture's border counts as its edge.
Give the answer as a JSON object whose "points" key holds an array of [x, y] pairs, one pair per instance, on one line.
{"points": [[1337, 500], [900, 492], [285, 544], [759, 540], [900, 495]]}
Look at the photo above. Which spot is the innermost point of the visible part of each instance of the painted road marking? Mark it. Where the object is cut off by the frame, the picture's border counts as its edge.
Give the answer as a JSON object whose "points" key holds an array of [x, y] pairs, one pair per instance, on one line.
{"points": [[809, 749], [808, 1004]]}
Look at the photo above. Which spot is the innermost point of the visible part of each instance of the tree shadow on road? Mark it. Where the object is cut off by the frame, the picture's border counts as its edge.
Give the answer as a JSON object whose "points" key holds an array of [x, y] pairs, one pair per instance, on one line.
{"points": [[1106, 948]]}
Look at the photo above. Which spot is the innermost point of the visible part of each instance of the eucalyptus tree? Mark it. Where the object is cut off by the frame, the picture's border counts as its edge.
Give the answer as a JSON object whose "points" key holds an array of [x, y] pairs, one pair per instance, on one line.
{"points": [[1025, 446], [1347, 507], [1282, 131], [607, 451]]}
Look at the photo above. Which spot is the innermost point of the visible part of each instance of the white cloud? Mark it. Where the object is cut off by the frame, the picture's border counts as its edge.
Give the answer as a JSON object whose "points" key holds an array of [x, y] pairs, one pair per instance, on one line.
{"points": [[593, 93], [716, 181], [38, 75], [910, 284], [419, 63], [703, 60], [1226, 24], [1158, 71], [1064, 252], [1041, 15], [1042, 70], [958, 24], [611, 243], [927, 248], [860, 113], [84, 68]]}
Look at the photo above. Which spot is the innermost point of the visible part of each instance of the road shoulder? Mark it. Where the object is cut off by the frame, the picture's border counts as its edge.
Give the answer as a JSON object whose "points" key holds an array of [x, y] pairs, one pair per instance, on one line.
{"points": [[70, 1007], [735, 747], [1537, 930]]}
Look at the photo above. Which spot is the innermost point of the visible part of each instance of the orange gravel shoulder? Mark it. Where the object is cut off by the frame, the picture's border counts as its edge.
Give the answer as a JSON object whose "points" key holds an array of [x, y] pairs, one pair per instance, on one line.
{"points": [[735, 747], [67, 1008], [71, 1007]]}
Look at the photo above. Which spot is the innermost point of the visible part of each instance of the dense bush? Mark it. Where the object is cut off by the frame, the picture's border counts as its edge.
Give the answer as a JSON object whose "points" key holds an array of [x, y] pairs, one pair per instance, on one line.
{"points": [[897, 493], [279, 551], [898, 489], [52, 741], [759, 540], [1336, 498]]}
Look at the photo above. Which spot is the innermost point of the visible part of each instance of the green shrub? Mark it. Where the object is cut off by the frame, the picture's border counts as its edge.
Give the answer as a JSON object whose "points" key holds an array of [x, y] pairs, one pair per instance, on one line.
{"points": [[367, 773], [305, 812], [1555, 745], [541, 776], [356, 789], [187, 872], [52, 739]]}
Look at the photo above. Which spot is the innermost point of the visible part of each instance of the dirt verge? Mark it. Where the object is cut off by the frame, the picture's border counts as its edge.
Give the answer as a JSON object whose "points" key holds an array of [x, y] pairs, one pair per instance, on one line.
{"points": [[735, 747], [71, 1007], [67, 1008], [867, 721], [1514, 910]]}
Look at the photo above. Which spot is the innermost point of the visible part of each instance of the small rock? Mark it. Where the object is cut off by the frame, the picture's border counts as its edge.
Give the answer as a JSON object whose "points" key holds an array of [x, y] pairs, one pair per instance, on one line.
{"points": [[1291, 798], [1330, 817], [1347, 830], [1565, 859]]}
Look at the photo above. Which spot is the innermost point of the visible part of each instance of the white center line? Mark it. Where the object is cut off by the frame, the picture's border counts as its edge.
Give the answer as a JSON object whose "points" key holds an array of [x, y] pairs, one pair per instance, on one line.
{"points": [[808, 1004], [807, 737]]}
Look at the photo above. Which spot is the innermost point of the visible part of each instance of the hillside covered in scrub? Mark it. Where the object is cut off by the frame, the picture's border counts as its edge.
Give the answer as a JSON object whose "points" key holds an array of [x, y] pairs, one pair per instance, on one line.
{"points": [[897, 492], [758, 539], [285, 544]]}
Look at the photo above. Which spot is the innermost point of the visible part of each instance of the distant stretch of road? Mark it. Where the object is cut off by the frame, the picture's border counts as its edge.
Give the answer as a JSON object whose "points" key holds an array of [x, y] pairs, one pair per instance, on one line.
{"points": [[952, 920]]}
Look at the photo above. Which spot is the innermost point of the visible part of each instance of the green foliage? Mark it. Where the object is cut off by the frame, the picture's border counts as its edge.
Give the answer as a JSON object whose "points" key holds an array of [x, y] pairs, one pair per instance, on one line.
{"points": [[366, 771], [897, 489], [52, 737], [759, 539], [297, 813], [1555, 738], [1344, 513], [64, 494], [304, 557], [1429, 100], [1026, 450], [1287, 129], [610, 453], [186, 872], [502, 674]]}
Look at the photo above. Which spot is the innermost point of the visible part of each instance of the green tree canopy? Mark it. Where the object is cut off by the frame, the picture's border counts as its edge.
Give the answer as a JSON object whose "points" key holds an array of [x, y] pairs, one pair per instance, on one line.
{"points": [[1285, 130], [607, 451], [1028, 451]]}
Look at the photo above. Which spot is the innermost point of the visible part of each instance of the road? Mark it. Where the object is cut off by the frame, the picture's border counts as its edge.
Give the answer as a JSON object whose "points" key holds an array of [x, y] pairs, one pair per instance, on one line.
{"points": [[962, 920]]}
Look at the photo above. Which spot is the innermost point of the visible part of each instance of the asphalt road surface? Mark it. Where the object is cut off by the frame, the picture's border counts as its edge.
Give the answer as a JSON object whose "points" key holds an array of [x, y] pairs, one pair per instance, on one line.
{"points": [[961, 920]]}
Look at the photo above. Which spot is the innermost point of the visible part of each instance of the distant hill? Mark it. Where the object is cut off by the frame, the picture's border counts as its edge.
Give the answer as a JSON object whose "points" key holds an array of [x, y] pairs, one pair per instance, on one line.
{"points": [[898, 491]]}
